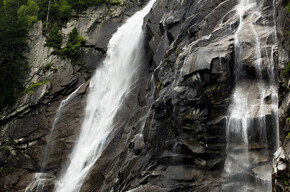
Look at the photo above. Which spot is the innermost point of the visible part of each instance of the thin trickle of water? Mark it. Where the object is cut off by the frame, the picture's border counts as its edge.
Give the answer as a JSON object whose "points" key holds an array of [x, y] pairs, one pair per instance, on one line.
{"points": [[108, 88], [40, 178], [248, 145]]}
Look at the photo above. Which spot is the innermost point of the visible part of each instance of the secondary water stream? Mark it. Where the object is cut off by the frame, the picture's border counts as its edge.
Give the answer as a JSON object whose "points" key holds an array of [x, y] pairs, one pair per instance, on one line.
{"points": [[252, 119], [41, 177]]}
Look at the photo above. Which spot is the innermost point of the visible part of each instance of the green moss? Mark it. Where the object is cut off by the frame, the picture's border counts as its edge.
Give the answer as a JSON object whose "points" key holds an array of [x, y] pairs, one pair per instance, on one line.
{"points": [[200, 166], [193, 126], [10, 142], [288, 7], [288, 136], [3, 148], [177, 52], [170, 65], [33, 86], [288, 120], [7, 170], [286, 71], [286, 182], [212, 88], [48, 67], [187, 117], [159, 85]]}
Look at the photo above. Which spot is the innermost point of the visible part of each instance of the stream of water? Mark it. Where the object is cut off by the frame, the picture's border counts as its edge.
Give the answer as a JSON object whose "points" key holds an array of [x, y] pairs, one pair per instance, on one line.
{"points": [[252, 118], [41, 177], [108, 88]]}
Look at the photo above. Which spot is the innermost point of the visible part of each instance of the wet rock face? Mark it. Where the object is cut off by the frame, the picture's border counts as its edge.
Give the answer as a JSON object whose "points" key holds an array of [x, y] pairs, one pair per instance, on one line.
{"points": [[281, 162], [183, 136], [25, 128], [191, 56], [169, 134]]}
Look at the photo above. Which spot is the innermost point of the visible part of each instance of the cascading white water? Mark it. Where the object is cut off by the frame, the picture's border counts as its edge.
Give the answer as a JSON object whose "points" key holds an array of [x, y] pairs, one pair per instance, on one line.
{"points": [[249, 151], [108, 88], [40, 178]]}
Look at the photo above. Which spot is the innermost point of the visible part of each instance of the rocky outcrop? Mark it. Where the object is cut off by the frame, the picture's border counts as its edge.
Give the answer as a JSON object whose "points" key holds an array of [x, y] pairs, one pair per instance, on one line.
{"points": [[170, 133], [281, 162], [25, 127], [191, 46]]}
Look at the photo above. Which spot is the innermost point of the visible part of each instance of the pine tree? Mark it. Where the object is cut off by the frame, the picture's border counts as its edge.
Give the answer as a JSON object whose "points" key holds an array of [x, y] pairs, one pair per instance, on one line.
{"points": [[13, 44]]}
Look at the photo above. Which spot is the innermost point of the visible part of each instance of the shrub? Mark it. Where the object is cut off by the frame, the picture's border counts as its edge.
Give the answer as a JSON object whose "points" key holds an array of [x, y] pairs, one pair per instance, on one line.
{"points": [[159, 85], [286, 71], [288, 120], [60, 10], [73, 47], [54, 38], [288, 7], [29, 12], [13, 44]]}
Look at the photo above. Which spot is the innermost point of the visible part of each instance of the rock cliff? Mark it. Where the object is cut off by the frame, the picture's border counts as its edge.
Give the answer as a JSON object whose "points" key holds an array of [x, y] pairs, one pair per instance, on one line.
{"points": [[170, 133]]}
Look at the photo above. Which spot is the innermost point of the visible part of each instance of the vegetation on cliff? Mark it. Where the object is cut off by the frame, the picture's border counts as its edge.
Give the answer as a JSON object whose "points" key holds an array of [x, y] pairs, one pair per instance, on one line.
{"points": [[13, 44], [54, 38], [61, 10], [16, 18], [72, 48]]}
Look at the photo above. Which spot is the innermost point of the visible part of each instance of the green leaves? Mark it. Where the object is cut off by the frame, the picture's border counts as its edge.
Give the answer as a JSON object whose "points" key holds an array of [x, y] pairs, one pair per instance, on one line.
{"points": [[286, 71], [60, 10], [54, 38], [288, 7], [29, 12], [13, 44], [33, 86], [73, 46], [72, 50]]}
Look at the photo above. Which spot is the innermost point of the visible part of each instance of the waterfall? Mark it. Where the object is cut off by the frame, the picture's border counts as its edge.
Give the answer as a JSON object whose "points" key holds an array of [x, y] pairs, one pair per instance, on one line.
{"points": [[252, 123], [108, 88], [41, 178]]}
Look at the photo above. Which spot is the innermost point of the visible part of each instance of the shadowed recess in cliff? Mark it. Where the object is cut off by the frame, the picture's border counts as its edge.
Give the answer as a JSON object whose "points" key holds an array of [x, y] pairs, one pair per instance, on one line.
{"points": [[108, 88], [252, 125]]}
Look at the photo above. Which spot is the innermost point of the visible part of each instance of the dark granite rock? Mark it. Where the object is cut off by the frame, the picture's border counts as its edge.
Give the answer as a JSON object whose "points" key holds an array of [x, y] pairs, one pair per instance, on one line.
{"points": [[169, 134]]}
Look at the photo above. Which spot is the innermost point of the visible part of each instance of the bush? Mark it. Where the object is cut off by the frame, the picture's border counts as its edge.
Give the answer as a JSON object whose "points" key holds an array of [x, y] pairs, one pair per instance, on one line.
{"points": [[288, 120], [29, 12], [54, 38], [73, 47], [13, 44], [286, 71], [60, 10], [288, 7]]}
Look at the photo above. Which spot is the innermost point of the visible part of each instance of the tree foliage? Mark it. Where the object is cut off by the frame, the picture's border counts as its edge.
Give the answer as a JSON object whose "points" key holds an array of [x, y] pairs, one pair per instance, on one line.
{"points": [[54, 38], [60, 10], [287, 70], [16, 17], [73, 47], [29, 12], [288, 6], [13, 44]]}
